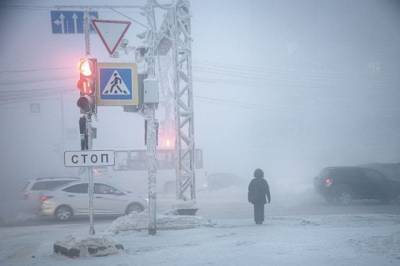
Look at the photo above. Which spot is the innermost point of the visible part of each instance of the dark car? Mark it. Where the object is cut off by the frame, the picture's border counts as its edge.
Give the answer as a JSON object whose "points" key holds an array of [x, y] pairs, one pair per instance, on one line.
{"points": [[343, 184]]}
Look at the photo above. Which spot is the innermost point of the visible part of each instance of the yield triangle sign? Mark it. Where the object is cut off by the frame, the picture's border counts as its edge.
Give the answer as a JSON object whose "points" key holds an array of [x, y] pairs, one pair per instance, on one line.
{"points": [[111, 32]]}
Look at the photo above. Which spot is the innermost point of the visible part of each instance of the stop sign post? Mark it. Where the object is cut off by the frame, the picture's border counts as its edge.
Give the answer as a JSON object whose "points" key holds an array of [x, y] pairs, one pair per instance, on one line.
{"points": [[89, 159]]}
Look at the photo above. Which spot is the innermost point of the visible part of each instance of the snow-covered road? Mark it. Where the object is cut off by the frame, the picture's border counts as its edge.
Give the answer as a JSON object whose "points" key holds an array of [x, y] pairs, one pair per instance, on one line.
{"points": [[298, 231], [372, 239]]}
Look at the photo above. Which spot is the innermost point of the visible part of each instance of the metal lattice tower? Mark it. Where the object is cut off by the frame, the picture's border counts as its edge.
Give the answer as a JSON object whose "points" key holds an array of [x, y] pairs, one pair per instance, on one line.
{"points": [[174, 38]]}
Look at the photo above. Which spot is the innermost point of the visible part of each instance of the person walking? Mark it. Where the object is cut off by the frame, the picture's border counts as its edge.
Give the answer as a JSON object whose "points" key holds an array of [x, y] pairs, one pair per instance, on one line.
{"points": [[258, 195]]}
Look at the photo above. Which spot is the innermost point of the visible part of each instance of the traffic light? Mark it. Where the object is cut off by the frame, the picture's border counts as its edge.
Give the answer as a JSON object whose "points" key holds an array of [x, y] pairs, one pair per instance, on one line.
{"points": [[84, 133], [157, 124], [167, 141], [87, 85], [166, 137]]}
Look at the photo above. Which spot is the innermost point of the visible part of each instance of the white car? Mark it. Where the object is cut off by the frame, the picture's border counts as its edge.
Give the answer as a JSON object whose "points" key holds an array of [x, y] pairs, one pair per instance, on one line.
{"points": [[73, 200], [36, 187]]}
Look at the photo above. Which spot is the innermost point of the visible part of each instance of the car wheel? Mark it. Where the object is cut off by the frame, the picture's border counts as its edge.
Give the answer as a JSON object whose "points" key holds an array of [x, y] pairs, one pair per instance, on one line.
{"points": [[63, 213], [343, 196], [134, 207]]}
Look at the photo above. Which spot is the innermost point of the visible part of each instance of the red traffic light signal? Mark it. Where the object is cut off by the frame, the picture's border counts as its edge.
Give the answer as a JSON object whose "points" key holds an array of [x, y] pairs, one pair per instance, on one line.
{"points": [[87, 67], [87, 85], [88, 75]]}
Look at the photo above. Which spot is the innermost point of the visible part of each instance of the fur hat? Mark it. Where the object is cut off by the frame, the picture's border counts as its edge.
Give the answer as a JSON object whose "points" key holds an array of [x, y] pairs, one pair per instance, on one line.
{"points": [[258, 173]]}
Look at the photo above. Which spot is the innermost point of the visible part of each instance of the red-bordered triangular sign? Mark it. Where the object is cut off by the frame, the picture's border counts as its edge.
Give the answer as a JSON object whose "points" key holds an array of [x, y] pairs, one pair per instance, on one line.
{"points": [[111, 32]]}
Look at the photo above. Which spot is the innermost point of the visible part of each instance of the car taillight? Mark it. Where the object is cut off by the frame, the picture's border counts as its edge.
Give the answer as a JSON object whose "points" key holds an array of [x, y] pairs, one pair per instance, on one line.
{"points": [[44, 198], [328, 182]]}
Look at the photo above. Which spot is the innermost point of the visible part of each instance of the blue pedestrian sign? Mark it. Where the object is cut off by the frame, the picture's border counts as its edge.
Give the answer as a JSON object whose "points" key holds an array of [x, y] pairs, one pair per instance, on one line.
{"points": [[69, 22], [117, 84]]}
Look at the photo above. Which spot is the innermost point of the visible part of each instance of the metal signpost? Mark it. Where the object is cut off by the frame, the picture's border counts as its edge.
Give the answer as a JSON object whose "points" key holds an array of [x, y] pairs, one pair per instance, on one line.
{"points": [[149, 113], [86, 29], [117, 84], [89, 159]]}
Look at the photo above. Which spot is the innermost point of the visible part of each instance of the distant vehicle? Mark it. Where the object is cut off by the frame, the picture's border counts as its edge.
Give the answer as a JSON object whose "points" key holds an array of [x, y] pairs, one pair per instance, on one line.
{"points": [[390, 170], [344, 184], [72, 200]]}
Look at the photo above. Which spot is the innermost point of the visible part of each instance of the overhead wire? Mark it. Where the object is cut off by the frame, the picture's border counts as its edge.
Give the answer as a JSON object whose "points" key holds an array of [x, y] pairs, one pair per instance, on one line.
{"points": [[27, 70], [130, 18], [34, 97], [27, 91], [33, 93], [260, 73], [26, 7], [277, 75], [295, 80], [18, 82], [286, 107]]}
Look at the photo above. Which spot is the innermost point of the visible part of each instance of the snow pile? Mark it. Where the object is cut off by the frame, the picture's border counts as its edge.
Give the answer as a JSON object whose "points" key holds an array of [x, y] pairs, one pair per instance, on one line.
{"points": [[184, 205], [133, 221], [90, 246], [182, 221], [139, 221], [185, 208]]}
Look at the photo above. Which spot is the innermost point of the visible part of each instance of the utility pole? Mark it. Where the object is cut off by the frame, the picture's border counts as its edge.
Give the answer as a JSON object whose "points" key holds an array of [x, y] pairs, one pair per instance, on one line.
{"points": [[180, 27], [173, 41], [89, 128], [149, 113]]}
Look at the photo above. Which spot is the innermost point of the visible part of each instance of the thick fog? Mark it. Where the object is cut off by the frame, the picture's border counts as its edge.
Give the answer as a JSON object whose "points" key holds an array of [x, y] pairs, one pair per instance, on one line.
{"points": [[287, 86]]}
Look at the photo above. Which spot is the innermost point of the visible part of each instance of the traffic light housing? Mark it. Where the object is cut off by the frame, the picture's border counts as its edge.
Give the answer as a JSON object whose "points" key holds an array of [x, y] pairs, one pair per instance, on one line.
{"points": [[87, 85], [166, 135], [84, 133], [157, 125]]}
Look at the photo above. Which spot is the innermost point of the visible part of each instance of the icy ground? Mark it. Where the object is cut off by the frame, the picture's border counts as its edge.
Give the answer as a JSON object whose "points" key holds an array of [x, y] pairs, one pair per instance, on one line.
{"points": [[371, 239]]}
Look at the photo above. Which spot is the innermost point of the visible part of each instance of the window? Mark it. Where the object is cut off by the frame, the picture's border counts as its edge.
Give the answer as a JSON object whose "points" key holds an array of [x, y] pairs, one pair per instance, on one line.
{"points": [[105, 189], [48, 185], [373, 175], [79, 188]]}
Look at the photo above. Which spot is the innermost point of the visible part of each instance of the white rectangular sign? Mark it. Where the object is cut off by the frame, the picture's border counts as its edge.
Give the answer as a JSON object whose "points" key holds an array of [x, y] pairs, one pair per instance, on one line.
{"points": [[88, 158]]}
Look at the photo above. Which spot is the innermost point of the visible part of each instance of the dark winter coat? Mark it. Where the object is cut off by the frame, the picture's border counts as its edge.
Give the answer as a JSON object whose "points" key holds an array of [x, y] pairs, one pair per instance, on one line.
{"points": [[258, 189]]}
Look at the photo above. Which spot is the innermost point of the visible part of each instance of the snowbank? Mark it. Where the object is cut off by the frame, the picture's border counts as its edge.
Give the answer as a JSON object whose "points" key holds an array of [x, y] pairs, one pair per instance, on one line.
{"points": [[89, 246], [168, 221], [327, 240]]}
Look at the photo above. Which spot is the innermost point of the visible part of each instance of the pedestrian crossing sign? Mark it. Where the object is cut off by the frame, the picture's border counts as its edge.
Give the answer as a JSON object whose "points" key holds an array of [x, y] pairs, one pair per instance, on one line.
{"points": [[117, 84]]}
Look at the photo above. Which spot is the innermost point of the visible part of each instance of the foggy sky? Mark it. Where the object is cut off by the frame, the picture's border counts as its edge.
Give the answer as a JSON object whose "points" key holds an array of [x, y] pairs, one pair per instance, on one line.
{"points": [[289, 86]]}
